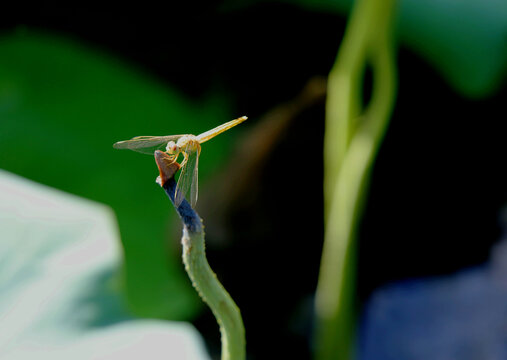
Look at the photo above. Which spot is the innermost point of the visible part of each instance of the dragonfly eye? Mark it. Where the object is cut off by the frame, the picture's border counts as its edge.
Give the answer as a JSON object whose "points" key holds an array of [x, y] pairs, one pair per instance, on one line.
{"points": [[171, 147]]}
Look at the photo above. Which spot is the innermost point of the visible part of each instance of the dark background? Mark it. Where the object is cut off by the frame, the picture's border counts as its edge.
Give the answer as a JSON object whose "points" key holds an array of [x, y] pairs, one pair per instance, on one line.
{"points": [[437, 187]]}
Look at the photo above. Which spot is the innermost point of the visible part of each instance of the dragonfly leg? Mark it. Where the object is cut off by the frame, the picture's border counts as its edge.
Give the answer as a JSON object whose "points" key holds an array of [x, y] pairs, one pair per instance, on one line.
{"points": [[185, 159]]}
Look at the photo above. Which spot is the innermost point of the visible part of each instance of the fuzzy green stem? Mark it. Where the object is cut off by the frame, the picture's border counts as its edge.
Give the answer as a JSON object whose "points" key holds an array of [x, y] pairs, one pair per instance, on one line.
{"points": [[352, 140], [203, 278], [213, 293]]}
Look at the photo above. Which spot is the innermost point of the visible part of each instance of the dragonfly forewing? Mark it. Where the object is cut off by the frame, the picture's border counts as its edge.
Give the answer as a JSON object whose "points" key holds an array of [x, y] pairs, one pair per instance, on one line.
{"points": [[146, 144]]}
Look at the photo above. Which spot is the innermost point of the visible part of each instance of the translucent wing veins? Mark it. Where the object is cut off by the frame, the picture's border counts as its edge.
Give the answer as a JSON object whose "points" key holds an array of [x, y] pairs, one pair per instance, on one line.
{"points": [[146, 144], [188, 177]]}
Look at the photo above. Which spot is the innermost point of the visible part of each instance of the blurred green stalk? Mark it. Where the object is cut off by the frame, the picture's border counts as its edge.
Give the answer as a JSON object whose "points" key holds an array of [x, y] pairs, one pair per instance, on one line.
{"points": [[352, 139]]}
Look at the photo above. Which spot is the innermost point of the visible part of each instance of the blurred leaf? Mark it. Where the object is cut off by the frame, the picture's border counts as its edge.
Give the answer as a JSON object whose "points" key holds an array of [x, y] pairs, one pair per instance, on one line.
{"points": [[466, 40], [62, 106], [58, 299]]}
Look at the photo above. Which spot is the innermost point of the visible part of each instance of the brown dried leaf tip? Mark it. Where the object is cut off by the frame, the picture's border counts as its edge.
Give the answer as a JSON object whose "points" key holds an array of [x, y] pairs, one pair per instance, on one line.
{"points": [[167, 166]]}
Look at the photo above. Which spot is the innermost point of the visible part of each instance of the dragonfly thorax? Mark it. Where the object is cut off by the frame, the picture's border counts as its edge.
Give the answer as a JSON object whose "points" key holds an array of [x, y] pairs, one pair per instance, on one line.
{"points": [[185, 142]]}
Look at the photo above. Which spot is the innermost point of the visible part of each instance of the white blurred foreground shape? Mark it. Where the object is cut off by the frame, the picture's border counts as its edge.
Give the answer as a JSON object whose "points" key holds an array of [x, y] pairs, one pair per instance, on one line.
{"points": [[57, 254]]}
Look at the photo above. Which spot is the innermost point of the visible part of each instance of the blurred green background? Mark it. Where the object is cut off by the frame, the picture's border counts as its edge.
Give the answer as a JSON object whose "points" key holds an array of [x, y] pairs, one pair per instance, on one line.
{"points": [[63, 105], [73, 80]]}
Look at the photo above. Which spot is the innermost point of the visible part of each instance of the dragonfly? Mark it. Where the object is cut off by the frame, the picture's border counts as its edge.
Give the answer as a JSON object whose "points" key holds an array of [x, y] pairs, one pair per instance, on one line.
{"points": [[188, 145]]}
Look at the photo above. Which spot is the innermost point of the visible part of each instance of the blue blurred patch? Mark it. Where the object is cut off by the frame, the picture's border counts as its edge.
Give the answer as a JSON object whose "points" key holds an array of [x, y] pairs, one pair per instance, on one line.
{"points": [[462, 316]]}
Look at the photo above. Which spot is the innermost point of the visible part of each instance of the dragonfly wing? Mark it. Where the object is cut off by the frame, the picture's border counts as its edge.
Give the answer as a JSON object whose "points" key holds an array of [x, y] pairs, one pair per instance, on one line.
{"points": [[194, 189], [187, 178], [146, 144]]}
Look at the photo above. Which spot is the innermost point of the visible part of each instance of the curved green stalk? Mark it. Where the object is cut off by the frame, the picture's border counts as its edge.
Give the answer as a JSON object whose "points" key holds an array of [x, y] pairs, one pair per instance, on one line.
{"points": [[352, 140], [203, 278], [213, 293]]}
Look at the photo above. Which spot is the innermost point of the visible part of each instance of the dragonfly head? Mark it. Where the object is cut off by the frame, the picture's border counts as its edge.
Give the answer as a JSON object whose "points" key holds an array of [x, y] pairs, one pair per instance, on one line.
{"points": [[172, 147]]}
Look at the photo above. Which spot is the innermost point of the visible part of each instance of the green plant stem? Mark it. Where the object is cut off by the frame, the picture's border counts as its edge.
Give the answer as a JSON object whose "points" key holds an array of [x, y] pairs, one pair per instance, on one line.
{"points": [[352, 140], [213, 293], [203, 278]]}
